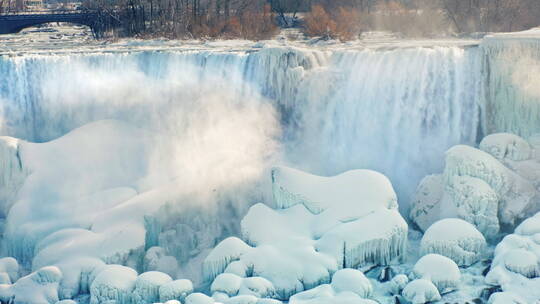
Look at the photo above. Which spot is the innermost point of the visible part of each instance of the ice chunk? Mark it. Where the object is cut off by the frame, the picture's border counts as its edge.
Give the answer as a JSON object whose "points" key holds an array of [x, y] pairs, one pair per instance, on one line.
{"points": [[199, 298], [147, 287], [38, 287], [421, 291], [506, 146], [455, 239], [114, 283], [257, 286], [66, 302], [175, 290], [440, 270]]}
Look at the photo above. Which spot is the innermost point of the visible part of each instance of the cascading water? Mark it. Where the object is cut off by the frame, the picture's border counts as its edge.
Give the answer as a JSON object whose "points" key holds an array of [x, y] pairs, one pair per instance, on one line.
{"points": [[336, 113]]}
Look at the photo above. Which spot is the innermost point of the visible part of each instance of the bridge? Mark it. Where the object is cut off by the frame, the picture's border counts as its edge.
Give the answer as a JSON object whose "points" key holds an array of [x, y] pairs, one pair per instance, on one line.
{"points": [[14, 23]]}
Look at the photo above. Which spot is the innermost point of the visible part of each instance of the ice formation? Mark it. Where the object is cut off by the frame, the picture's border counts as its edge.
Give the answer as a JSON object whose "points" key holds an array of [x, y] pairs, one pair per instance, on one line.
{"points": [[516, 264], [440, 270], [398, 283], [421, 291], [321, 225], [156, 259], [38, 287], [493, 187], [455, 239], [9, 268], [505, 298], [147, 287]]}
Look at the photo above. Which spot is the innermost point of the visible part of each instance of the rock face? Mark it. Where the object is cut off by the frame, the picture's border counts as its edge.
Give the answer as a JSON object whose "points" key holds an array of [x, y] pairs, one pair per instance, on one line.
{"points": [[455, 239], [494, 187], [321, 225], [516, 265]]}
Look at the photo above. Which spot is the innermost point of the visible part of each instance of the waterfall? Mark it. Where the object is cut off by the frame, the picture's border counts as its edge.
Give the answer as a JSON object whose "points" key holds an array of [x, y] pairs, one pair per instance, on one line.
{"points": [[395, 110]]}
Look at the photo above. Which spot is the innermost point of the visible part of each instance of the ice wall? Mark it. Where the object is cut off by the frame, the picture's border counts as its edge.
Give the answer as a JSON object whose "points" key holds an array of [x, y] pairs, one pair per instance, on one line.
{"points": [[336, 113]]}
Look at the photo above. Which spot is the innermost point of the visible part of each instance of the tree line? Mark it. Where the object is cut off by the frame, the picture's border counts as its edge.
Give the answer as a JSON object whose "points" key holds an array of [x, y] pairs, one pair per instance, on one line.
{"points": [[339, 19]]}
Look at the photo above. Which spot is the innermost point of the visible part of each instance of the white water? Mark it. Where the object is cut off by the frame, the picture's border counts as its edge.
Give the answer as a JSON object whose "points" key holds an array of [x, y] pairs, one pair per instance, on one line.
{"points": [[395, 111]]}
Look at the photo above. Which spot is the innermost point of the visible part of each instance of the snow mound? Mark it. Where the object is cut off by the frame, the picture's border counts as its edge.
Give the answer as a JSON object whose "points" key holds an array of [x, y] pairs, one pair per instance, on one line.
{"points": [[314, 232], [199, 298], [38, 287], [455, 239], [421, 291], [226, 283], [440, 270], [175, 290], [506, 146], [348, 286], [147, 287], [516, 262], [114, 283], [352, 280], [494, 187]]}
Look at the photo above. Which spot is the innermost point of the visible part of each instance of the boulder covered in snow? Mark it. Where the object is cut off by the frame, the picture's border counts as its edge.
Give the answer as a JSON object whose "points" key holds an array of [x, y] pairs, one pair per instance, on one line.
{"points": [[455, 239], [156, 259], [348, 286], [493, 188], [199, 298], [321, 225], [175, 290], [440, 270], [516, 263], [506, 298], [113, 284], [38, 287], [9, 269], [421, 291], [147, 287]]}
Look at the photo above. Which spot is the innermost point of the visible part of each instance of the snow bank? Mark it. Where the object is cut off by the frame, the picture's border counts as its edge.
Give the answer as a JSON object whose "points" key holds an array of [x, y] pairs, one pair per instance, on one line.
{"points": [[421, 291], [38, 287], [321, 224], [114, 283], [493, 187], [455, 239], [440, 270], [348, 286], [516, 263]]}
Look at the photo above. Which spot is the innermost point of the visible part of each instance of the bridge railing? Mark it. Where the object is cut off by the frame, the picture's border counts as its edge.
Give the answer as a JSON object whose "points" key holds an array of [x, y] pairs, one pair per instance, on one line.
{"points": [[48, 12]]}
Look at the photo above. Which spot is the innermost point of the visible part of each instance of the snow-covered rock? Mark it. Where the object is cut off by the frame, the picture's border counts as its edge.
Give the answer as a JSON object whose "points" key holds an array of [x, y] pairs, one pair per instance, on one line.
{"points": [[199, 298], [321, 225], [175, 290], [40, 287], [516, 263], [258, 287], [115, 283], [455, 239], [440, 270], [493, 188], [348, 286], [398, 283], [226, 283], [421, 291], [147, 287]]}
